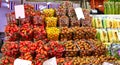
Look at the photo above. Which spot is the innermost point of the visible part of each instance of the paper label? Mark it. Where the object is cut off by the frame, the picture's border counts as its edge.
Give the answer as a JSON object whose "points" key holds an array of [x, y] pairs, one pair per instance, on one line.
{"points": [[51, 61], [19, 11], [79, 13], [22, 62], [106, 63]]}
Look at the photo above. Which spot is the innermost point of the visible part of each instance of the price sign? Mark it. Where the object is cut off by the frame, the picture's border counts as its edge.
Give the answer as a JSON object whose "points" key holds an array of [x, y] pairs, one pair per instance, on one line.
{"points": [[22, 62], [19, 11], [79, 13], [106, 63], [51, 61]]}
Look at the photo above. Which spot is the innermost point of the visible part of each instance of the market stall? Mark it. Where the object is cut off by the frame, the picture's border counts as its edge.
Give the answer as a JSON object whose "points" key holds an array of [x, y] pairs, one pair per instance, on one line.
{"points": [[57, 32]]}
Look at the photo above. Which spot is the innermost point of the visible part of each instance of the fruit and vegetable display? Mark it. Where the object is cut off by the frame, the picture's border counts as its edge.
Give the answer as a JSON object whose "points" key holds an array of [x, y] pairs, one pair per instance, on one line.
{"points": [[56, 49], [11, 31], [26, 32], [10, 49], [6, 60], [53, 33], [39, 33], [63, 21], [86, 22], [66, 34], [107, 28], [51, 21], [49, 12], [71, 49], [83, 33], [57, 33], [111, 7], [105, 22]]}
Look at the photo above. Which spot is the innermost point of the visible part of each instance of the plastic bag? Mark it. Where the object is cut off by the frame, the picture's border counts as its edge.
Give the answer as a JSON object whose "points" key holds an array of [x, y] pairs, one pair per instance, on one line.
{"points": [[63, 21], [74, 21], [65, 34], [60, 11], [71, 12], [51, 21], [53, 33], [49, 12]]}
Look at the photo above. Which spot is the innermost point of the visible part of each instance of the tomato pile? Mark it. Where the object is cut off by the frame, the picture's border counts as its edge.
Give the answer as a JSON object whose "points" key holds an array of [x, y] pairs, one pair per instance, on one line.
{"points": [[11, 32], [56, 49], [7, 60], [25, 46], [10, 49], [26, 32], [39, 33], [26, 56]]}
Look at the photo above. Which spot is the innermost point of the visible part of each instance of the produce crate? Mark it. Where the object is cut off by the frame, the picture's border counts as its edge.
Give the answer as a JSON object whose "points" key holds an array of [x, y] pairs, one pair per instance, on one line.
{"points": [[65, 34], [71, 51]]}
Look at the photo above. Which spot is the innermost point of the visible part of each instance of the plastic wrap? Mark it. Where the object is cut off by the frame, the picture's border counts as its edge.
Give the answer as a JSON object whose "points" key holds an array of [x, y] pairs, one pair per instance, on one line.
{"points": [[53, 33], [60, 11], [86, 22], [11, 32], [56, 49], [49, 12], [39, 33], [85, 48], [74, 21], [26, 32], [51, 21], [25, 20], [67, 4], [100, 49], [63, 21], [84, 33], [65, 34], [71, 12], [38, 19], [71, 49]]}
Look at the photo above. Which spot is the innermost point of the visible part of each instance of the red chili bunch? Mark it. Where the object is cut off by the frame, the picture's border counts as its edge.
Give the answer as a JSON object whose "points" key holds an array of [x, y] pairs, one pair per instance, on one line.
{"points": [[5, 60], [25, 46], [39, 33], [11, 31], [41, 51], [26, 32], [26, 56], [56, 49], [10, 49]]}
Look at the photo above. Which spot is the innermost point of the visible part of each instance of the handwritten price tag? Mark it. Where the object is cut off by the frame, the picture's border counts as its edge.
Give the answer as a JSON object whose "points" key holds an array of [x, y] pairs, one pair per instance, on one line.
{"points": [[22, 62], [51, 61], [79, 13], [19, 11], [106, 63]]}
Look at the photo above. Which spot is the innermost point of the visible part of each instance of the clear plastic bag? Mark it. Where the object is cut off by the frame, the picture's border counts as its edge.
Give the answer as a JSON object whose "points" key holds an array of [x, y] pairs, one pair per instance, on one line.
{"points": [[71, 49], [66, 34], [67, 4], [51, 21], [60, 11], [63, 21], [86, 22], [71, 12], [74, 21], [53, 33], [38, 19]]}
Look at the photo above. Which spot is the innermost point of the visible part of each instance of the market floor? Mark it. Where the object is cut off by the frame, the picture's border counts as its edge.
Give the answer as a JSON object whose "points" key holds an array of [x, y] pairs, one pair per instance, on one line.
{"points": [[3, 21]]}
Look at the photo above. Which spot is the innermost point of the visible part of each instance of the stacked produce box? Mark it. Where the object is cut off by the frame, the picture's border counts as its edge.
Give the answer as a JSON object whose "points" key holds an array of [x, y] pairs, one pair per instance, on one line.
{"points": [[53, 32], [108, 32], [112, 7]]}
